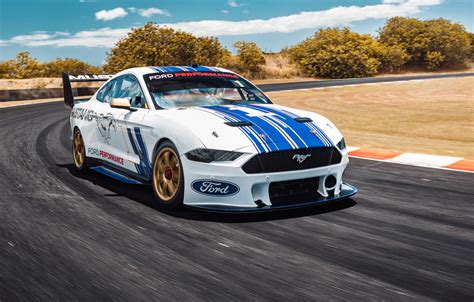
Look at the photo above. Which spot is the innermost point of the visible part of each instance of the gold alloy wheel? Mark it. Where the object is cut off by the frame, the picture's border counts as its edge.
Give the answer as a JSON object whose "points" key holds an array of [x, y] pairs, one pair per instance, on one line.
{"points": [[166, 172], [78, 151]]}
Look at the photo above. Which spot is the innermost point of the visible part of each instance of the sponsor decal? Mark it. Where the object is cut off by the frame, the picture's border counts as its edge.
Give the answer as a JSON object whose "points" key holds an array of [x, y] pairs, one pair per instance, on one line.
{"points": [[106, 123], [105, 155], [93, 151], [82, 77], [111, 157], [206, 74], [83, 114], [215, 187], [161, 76], [192, 74], [300, 158]]}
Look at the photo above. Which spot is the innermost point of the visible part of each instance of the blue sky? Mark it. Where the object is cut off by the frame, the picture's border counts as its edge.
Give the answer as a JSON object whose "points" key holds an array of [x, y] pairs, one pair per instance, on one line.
{"points": [[86, 29]]}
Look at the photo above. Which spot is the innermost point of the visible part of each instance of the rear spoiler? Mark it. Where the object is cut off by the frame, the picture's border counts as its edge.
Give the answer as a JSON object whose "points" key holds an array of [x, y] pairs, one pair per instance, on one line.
{"points": [[69, 78]]}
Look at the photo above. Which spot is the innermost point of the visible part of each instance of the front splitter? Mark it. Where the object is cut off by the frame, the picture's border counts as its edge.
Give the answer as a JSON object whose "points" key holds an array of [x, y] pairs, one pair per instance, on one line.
{"points": [[347, 191]]}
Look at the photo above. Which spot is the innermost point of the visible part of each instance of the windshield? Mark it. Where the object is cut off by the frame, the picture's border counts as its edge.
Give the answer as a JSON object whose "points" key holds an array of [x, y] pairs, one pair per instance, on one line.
{"points": [[189, 89]]}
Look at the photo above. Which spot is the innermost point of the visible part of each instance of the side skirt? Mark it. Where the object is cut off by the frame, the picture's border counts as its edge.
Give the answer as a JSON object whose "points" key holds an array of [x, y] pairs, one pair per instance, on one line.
{"points": [[118, 173]]}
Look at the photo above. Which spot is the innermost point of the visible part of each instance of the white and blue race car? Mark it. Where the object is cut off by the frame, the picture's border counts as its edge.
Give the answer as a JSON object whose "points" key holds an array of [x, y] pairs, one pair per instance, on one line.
{"points": [[208, 138]]}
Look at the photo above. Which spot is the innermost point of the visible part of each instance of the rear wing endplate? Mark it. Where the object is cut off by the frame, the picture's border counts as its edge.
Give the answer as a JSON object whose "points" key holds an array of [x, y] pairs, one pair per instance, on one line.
{"points": [[70, 78]]}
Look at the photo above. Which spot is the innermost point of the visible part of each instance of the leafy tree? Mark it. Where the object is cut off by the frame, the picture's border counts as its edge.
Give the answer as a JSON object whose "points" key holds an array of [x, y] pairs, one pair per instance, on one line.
{"points": [[338, 53], [430, 44], [210, 52], [22, 67], [155, 45], [434, 59], [250, 58], [5, 69], [471, 40], [392, 58], [56, 67]]}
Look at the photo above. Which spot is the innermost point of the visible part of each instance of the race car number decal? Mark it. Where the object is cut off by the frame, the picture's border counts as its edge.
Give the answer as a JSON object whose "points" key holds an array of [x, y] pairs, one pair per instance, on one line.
{"points": [[215, 187]]}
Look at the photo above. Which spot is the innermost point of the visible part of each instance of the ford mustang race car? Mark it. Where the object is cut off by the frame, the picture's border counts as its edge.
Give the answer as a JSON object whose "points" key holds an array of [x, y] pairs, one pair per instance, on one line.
{"points": [[206, 137]]}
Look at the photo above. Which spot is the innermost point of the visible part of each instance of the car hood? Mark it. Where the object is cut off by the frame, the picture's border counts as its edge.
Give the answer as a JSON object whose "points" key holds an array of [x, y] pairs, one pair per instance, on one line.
{"points": [[253, 128]]}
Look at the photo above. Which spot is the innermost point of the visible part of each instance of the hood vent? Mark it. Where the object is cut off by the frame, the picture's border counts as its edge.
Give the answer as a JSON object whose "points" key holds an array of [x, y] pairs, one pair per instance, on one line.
{"points": [[238, 124], [303, 119]]}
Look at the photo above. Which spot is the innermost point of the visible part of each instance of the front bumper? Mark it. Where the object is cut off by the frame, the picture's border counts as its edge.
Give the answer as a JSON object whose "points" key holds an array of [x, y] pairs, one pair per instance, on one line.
{"points": [[345, 192], [250, 192]]}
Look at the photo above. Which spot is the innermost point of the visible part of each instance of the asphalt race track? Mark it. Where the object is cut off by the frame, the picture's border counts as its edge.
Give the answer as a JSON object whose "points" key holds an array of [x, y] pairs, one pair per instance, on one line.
{"points": [[407, 235]]}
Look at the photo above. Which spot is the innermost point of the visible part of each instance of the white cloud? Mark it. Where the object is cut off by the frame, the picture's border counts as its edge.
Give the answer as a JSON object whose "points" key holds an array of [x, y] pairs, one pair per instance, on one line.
{"points": [[153, 11], [342, 15], [34, 37], [61, 33], [103, 37], [132, 9], [224, 11], [233, 3], [107, 15], [393, 1]]}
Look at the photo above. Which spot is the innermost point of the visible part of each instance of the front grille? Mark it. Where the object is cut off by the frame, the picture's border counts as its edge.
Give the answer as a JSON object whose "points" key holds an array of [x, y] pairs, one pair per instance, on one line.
{"points": [[280, 161], [294, 191]]}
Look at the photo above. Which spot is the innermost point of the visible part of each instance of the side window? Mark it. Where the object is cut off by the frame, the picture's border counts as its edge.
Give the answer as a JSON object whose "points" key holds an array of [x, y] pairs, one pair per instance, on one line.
{"points": [[105, 93], [128, 87]]}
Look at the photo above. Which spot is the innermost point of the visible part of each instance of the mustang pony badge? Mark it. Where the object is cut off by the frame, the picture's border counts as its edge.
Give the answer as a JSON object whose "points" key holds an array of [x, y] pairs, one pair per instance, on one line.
{"points": [[105, 123], [300, 158]]}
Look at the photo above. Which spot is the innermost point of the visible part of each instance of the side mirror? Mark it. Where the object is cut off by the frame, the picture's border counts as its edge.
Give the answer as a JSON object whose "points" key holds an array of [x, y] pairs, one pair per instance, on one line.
{"points": [[122, 103]]}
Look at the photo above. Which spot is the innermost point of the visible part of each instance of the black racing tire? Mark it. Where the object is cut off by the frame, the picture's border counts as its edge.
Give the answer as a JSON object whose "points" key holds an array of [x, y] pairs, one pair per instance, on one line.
{"points": [[167, 177], [79, 158]]}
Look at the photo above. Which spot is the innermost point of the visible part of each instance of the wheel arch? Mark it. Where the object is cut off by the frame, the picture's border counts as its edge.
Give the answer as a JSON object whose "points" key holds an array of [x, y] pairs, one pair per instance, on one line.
{"points": [[158, 144]]}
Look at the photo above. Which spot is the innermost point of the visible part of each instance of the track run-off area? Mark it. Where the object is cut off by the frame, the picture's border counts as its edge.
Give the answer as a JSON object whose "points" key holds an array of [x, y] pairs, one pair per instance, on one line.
{"points": [[407, 235]]}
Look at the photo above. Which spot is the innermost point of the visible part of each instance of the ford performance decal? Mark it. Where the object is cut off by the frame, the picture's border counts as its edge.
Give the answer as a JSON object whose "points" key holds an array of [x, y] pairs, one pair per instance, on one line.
{"points": [[215, 187]]}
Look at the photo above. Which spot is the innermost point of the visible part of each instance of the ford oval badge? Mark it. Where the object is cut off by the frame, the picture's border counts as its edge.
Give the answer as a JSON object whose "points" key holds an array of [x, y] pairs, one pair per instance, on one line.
{"points": [[215, 187]]}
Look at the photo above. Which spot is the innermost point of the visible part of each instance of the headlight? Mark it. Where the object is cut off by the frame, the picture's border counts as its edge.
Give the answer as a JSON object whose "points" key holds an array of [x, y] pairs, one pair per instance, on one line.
{"points": [[210, 155], [342, 144]]}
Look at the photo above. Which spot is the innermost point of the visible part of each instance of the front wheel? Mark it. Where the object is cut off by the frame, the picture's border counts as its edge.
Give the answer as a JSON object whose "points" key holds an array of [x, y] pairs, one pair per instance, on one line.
{"points": [[79, 152], [167, 178]]}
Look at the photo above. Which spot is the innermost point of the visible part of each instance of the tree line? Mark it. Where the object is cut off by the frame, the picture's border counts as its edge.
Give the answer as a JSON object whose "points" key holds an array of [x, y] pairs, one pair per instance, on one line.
{"points": [[402, 43]]}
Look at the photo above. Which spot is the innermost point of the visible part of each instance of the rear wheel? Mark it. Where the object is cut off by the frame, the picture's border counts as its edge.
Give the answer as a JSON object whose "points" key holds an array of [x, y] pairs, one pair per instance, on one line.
{"points": [[167, 178], [79, 151]]}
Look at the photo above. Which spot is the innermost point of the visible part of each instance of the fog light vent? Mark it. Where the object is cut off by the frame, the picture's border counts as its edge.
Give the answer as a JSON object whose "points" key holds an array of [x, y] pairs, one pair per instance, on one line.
{"points": [[330, 182]]}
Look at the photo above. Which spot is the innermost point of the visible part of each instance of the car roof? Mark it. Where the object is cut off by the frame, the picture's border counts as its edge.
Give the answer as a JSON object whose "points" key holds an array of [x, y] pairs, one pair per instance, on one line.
{"points": [[140, 71]]}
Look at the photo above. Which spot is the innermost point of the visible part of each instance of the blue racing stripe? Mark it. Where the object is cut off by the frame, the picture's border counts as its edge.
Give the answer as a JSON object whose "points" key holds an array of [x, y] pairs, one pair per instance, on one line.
{"points": [[135, 150], [247, 131], [144, 167], [252, 135], [297, 131], [313, 126], [172, 69], [143, 154], [300, 128], [280, 141]]}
